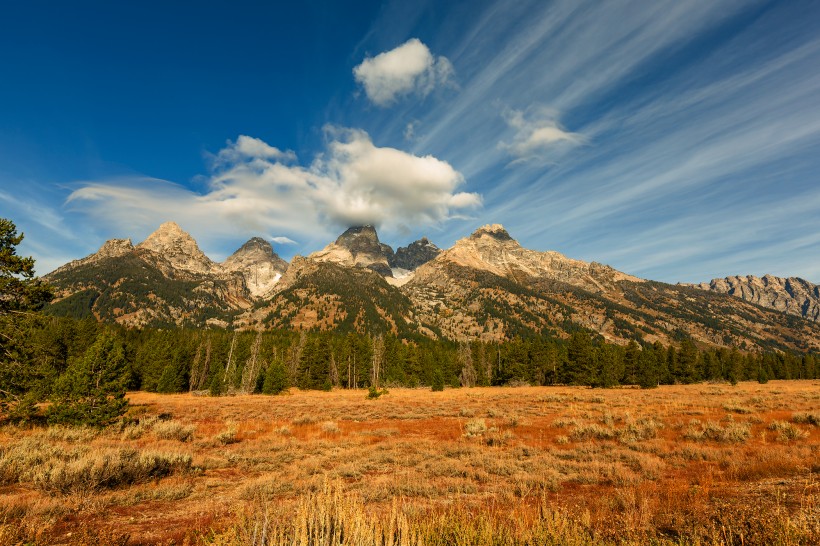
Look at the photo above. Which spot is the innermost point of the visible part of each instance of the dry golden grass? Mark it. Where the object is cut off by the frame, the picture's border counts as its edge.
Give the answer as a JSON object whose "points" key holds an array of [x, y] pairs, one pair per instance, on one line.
{"points": [[698, 464]]}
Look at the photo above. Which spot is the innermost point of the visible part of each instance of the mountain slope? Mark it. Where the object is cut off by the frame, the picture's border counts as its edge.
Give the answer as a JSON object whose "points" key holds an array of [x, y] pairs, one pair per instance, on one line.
{"points": [[488, 286], [165, 280], [324, 295]]}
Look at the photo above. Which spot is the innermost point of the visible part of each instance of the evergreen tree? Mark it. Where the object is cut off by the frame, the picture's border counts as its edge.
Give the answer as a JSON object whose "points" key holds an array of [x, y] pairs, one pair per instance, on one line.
{"points": [[276, 378], [20, 290], [92, 389], [25, 376]]}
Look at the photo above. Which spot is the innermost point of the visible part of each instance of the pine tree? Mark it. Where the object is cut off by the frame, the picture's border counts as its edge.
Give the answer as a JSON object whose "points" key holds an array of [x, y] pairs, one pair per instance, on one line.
{"points": [[19, 289], [24, 376], [276, 378], [92, 389]]}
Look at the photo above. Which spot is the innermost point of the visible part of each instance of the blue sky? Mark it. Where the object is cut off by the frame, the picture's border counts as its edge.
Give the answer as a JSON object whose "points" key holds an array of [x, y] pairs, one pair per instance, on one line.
{"points": [[677, 141]]}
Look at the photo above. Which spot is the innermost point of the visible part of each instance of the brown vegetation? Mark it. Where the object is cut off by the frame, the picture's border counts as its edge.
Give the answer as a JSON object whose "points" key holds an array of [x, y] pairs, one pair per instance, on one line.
{"points": [[708, 464]]}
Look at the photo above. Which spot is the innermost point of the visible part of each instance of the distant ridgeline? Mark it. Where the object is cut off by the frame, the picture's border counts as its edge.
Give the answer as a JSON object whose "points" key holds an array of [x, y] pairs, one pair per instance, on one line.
{"points": [[219, 361], [485, 288]]}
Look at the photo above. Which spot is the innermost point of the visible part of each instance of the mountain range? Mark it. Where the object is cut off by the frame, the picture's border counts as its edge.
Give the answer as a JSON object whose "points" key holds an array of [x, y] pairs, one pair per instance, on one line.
{"points": [[486, 286]]}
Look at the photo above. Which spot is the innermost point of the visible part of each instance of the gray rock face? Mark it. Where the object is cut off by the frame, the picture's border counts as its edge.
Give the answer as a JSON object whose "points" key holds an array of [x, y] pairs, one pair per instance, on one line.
{"points": [[415, 254], [792, 295], [258, 264], [358, 246]]}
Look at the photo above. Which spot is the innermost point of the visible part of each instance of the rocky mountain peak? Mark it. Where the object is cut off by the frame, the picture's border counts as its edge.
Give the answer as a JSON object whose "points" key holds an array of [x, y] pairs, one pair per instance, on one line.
{"points": [[255, 245], [415, 254], [353, 233], [178, 247], [496, 231], [112, 248], [358, 246], [261, 267]]}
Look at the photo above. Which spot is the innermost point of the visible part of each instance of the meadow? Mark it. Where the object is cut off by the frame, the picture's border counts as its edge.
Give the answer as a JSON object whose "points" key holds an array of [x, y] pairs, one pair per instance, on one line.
{"points": [[682, 464]]}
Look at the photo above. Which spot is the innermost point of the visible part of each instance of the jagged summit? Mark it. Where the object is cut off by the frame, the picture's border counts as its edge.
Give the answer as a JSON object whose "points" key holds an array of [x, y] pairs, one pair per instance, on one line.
{"points": [[496, 231], [415, 254], [491, 248], [358, 246], [259, 265], [792, 295], [178, 247]]}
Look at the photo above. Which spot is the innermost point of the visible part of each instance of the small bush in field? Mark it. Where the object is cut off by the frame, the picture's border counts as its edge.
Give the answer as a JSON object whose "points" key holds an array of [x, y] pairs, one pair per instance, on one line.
{"points": [[593, 431], [475, 427], [227, 436], [732, 433], [787, 432], [374, 393], [807, 419], [174, 430], [330, 427]]}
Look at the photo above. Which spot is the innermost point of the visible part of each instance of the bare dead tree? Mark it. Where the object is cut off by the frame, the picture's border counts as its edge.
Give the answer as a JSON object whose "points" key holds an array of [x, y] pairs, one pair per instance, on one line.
{"points": [[251, 371]]}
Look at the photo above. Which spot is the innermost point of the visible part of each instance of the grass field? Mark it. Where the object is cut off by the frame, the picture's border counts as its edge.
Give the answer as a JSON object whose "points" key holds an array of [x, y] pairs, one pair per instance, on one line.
{"points": [[696, 464]]}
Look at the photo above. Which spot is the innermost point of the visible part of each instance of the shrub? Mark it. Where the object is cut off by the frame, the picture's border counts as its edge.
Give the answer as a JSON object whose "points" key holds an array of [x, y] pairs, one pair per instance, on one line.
{"points": [[227, 436], [807, 419], [55, 469], [373, 393], [787, 432], [174, 430], [475, 427], [731, 433], [330, 427]]}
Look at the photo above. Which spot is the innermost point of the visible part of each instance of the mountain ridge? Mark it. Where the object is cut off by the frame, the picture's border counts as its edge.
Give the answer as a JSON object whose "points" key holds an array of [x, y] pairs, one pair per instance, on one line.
{"points": [[486, 286]]}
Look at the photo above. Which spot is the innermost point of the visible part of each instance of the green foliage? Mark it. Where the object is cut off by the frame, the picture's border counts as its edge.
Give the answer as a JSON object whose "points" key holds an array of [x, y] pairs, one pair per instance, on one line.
{"points": [[92, 389], [276, 378], [19, 289], [374, 393], [437, 383]]}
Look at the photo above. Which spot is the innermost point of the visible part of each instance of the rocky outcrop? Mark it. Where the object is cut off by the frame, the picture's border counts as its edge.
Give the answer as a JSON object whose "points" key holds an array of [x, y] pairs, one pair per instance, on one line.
{"points": [[179, 249], [260, 266], [414, 255], [113, 248], [358, 247], [792, 295], [490, 248]]}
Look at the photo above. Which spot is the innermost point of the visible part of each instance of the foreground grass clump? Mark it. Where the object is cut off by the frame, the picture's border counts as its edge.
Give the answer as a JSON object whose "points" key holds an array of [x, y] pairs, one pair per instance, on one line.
{"points": [[55, 468], [332, 517]]}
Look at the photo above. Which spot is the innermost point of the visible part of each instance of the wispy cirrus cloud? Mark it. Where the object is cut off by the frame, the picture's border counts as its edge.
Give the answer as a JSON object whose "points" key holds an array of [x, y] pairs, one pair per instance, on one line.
{"points": [[697, 124], [409, 68]]}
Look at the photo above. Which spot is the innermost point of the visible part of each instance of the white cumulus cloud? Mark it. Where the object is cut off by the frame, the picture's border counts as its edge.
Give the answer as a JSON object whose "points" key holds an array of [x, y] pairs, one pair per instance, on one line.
{"points": [[410, 67], [250, 147], [256, 190]]}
